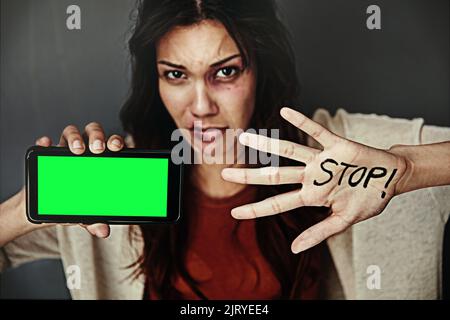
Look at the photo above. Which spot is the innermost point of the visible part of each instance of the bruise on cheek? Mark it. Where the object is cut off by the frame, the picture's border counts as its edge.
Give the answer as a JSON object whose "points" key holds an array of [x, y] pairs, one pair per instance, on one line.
{"points": [[233, 92], [241, 84]]}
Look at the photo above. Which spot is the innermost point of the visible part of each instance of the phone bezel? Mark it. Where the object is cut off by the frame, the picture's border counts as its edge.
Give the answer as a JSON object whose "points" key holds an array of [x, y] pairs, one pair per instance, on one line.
{"points": [[174, 192]]}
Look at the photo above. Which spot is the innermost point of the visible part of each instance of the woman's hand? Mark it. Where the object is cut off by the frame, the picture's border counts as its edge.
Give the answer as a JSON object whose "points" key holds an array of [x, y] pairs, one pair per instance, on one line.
{"points": [[72, 138], [354, 180], [13, 221]]}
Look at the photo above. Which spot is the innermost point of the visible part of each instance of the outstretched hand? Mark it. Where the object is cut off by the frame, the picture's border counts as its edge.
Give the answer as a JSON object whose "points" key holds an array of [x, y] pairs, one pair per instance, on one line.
{"points": [[354, 180]]}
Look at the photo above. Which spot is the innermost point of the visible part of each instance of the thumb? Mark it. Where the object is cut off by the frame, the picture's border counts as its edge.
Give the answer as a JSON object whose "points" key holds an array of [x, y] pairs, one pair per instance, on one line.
{"points": [[100, 230]]}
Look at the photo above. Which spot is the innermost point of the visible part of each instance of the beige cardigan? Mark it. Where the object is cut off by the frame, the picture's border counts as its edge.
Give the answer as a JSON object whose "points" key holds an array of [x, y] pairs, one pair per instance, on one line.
{"points": [[405, 241]]}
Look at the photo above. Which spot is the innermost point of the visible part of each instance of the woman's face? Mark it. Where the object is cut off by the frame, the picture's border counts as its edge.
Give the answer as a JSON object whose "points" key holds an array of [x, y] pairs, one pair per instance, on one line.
{"points": [[202, 78]]}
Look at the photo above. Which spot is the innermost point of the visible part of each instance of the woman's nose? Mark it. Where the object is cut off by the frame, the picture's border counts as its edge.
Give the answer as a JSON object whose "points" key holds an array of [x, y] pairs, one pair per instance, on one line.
{"points": [[203, 105]]}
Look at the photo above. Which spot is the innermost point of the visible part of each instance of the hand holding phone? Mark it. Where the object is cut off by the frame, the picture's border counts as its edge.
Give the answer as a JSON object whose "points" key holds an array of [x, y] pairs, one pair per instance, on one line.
{"points": [[13, 217], [72, 138], [132, 186]]}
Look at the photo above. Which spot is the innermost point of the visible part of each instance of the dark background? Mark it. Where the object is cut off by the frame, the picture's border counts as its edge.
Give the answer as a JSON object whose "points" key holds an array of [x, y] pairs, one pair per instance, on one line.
{"points": [[52, 77]]}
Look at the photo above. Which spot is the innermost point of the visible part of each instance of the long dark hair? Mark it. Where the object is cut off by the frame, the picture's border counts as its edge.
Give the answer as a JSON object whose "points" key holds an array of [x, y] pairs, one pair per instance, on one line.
{"points": [[263, 41]]}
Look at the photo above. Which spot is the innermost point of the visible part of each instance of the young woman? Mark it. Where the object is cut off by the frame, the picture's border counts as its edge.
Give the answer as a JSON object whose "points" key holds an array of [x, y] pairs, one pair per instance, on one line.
{"points": [[227, 64]]}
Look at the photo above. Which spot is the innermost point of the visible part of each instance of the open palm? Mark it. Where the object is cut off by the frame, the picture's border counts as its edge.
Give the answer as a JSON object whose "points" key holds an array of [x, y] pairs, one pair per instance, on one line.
{"points": [[354, 180]]}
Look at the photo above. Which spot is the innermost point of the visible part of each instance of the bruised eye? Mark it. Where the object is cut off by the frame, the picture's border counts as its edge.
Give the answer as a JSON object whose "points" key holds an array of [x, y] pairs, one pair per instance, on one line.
{"points": [[227, 72], [173, 75]]}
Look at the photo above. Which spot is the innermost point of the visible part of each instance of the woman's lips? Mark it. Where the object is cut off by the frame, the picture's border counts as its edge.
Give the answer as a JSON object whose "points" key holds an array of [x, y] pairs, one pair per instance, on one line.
{"points": [[209, 134]]}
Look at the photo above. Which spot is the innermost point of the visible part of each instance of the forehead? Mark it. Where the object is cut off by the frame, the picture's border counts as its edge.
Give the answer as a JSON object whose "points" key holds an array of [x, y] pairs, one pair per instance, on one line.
{"points": [[196, 45]]}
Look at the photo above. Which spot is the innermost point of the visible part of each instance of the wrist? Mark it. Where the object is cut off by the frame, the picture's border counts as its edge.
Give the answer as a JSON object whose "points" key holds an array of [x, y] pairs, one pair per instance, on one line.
{"points": [[425, 165], [25, 226], [405, 160], [13, 220]]}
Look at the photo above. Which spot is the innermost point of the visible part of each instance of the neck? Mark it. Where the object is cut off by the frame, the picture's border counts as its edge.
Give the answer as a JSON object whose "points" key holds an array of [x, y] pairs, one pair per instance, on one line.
{"points": [[208, 179]]}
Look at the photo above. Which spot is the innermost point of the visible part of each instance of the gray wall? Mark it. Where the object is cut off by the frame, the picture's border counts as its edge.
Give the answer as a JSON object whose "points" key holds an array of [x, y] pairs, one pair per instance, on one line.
{"points": [[52, 77], [401, 70]]}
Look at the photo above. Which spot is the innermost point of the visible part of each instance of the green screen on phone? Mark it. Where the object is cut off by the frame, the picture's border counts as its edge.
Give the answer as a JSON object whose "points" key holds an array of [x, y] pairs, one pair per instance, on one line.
{"points": [[102, 186]]}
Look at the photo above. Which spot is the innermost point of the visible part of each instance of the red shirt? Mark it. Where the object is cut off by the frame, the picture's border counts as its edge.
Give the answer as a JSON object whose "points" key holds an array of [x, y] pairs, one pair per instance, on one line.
{"points": [[227, 266]]}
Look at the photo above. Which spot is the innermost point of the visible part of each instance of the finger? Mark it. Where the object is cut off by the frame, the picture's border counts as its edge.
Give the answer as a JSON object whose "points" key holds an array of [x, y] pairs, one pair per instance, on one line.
{"points": [[265, 176], [44, 141], [282, 148], [115, 143], [312, 128], [100, 230], [71, 137], [96, 137], [270, 206], [129, 141], [319, 232]]}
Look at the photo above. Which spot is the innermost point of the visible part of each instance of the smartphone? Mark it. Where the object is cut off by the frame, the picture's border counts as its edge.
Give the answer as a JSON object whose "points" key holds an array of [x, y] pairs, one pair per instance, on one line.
{"points": [[132, 186]]}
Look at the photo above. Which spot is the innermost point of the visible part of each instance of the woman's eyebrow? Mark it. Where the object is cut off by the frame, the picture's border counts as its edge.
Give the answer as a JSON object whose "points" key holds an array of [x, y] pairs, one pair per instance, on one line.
{"points": [[215, 64]]}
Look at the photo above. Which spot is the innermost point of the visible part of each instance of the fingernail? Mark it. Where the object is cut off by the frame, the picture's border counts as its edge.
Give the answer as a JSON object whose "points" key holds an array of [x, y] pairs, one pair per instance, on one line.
{"points": [[244, 138], [225, 173], [77, 144], [97, 145], [236, 214], [40, 140], [116, 142], [286, 112], [299, 247]]}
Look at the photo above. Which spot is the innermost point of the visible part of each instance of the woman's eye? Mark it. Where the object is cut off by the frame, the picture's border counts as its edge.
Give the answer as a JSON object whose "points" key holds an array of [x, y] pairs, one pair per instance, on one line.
{"points": [[226, 72], [174, 75]]}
